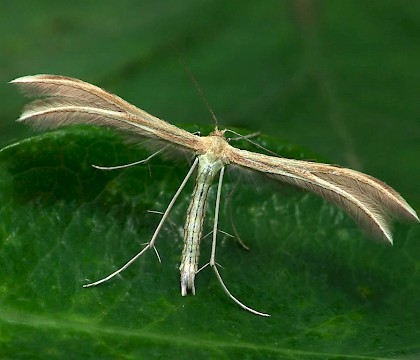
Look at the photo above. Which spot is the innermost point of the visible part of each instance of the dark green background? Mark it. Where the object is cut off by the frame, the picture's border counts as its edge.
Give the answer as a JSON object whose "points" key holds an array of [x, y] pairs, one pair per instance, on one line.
{"points": [[340, 78]]}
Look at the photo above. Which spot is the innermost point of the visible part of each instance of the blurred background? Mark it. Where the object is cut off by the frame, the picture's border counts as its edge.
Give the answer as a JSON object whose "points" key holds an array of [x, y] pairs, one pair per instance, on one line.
{"points": [[340, 78]]}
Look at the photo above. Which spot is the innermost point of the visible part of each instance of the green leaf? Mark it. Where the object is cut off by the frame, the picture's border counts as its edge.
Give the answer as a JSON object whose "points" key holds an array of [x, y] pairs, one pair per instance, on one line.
{"points": [[331, 292]]}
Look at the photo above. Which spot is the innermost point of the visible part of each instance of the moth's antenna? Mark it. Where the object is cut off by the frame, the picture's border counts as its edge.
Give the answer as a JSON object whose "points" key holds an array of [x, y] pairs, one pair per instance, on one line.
{"points": [[194, 81]]}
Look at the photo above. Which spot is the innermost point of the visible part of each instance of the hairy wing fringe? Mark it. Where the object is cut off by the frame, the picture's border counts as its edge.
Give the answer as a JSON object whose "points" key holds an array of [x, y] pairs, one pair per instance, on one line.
{"points": [[71, 101], [367, 215], [369, 201], [371, 189], [61, 86]]}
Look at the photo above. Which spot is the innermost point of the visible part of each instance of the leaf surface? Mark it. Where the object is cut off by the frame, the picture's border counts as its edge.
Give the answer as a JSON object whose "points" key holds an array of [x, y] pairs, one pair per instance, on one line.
{"points": [[331, 292]]}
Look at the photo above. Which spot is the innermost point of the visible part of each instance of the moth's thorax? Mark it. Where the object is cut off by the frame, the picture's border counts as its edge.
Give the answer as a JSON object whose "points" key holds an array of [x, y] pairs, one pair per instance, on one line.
{"points": [[215, 145]]}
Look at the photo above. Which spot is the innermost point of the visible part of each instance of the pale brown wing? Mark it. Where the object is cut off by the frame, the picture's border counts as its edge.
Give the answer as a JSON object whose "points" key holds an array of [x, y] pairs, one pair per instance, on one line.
{"points": [[68, 101], [369, 201]]}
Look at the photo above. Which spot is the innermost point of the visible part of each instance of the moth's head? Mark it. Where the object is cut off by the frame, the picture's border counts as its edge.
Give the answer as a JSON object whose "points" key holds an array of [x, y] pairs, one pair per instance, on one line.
{"points": [[217, 132]]}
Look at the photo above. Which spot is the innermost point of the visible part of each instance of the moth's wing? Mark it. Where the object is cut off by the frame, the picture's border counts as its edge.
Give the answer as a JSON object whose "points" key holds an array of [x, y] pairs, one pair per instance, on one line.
{"points": [[369, 201], [68, 101]]}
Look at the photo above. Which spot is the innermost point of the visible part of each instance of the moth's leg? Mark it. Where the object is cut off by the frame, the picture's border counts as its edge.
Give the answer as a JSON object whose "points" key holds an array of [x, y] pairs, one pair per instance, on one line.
{"points": [[212, 262], [156, 233], [235, 231], [246, 137], [236, 234], [242, 137], [131, 164]]}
